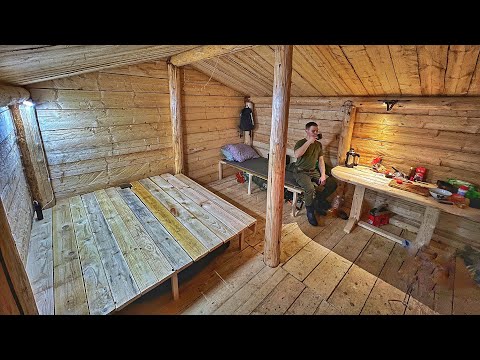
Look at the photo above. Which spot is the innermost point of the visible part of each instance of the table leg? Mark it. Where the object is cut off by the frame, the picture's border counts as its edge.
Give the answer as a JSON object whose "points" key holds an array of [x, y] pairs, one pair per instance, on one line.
{"points": [[425, 233], [250, 183], [356, 209], [175, 291]]}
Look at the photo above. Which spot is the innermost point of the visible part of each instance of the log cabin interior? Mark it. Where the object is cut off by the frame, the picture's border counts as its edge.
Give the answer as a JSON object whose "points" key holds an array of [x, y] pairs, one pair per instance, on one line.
{"points": [[114, 199]]}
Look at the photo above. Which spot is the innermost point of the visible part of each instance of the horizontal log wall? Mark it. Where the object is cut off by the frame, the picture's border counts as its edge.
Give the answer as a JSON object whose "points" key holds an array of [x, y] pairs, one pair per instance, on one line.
{"points": [[105, 128], [328, 117], [211, 113], [446, 142], [14, 191]]}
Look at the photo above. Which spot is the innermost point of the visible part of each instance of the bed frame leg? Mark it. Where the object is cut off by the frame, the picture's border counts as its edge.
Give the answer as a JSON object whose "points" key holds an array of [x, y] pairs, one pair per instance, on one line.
{"points": [[241, 237], [175, 292], [250, 184], [294, 204], [220, 170]]}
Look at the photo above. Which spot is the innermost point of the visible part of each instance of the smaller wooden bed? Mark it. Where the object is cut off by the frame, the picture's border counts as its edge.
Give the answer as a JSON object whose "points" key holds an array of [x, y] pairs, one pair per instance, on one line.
{"points": [[97, 252], [259, 167]]}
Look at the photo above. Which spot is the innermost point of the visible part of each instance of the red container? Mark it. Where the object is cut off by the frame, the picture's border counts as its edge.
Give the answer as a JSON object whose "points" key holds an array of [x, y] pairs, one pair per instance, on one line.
{"points": [[378, 220]]}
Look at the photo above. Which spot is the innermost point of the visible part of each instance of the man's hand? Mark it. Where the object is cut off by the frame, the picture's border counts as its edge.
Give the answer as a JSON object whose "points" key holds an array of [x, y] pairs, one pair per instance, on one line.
{"points": [[323, 179], [311, 139]]}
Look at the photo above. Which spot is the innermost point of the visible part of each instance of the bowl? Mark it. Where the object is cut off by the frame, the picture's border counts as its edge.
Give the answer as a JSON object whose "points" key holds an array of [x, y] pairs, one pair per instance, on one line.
{"points": [[440, 194]]}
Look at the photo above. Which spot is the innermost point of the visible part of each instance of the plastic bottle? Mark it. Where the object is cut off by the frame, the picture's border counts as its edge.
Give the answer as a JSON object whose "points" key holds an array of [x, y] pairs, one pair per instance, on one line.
{"points": [[337, 203], [462, 190]]}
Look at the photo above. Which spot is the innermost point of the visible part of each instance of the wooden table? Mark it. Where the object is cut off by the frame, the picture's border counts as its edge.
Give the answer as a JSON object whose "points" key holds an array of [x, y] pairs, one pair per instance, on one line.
{"points": [[365, 178]]}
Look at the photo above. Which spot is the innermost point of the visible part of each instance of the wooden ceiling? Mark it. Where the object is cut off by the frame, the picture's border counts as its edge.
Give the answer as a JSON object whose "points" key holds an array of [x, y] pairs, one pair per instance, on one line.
{"points": [[318, 70], [371, 70]]}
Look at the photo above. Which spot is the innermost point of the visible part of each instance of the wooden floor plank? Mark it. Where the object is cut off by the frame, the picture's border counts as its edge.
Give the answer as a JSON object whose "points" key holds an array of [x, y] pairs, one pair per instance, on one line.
{"points": [[352, 292], [415, 307], [100, 299], [246, 292], [377, 251], [40, 263], [69, 292], [132, 253], [242, 216], [390, 272], [332, 234], [325, 308], [466, 291], [157, 261], [351, 245], [199, 230], [307, 259], [121, 281], [262, 293], [291, 244], [230, 283], [306, 304], [218, 227], [169, 247], [385, 299], [325, 277], [194, 248], [281, 297]]}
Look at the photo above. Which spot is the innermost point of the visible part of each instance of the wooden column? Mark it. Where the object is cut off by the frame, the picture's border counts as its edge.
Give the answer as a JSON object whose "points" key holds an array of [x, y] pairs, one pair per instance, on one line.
{"points": [[278, 147], [176, 116], [33, 156], [349, 112], [14, 266], [347, 131]]}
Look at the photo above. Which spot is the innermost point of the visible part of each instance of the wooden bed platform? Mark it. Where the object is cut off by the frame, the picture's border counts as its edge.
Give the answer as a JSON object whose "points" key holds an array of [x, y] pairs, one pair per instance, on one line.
{"points": [[95, 253]]}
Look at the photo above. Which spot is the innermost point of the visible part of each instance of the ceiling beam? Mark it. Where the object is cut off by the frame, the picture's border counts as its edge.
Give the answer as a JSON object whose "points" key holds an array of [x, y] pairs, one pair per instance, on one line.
{"points": [[205, 52], [12, 95]]}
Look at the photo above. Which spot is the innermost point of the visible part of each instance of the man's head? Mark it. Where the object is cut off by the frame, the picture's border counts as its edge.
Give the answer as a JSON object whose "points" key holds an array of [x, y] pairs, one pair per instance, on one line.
{"points": [[311, 128]]}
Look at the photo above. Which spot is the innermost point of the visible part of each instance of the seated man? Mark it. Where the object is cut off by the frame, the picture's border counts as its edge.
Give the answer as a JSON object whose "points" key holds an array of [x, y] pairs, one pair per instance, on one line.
{"points": [[308, 151]]}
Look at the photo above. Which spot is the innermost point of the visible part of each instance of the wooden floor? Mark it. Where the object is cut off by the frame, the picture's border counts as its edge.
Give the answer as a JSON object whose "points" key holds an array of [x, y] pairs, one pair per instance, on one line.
{"points": [[323, 270], [95, 253]]}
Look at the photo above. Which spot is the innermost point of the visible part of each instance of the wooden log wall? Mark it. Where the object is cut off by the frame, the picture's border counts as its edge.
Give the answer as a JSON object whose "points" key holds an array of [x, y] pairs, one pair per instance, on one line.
{"points": [[211, 114], [105, 128], [14, 191], [328, 117], [445, 141]]}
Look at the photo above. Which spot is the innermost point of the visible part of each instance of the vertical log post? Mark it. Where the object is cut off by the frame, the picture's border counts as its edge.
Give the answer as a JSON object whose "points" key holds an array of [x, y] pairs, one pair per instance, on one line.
{"points": [[278, 148], [345, 138], [15, 268], [176, 116]]}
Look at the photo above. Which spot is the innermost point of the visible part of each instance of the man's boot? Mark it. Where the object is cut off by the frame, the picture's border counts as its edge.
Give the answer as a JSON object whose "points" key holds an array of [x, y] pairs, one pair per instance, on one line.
{"points": [[311, 215]]}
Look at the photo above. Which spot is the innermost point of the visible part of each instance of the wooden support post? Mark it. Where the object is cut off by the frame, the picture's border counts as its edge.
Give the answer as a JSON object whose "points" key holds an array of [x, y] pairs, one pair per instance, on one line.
{"points": [[294, 204], [33, 155], [15, 268], [175, 292], [250, 184], [220, 170], [349, 114], [176, 116], [429, 222], [282, 75], [356, 209]]}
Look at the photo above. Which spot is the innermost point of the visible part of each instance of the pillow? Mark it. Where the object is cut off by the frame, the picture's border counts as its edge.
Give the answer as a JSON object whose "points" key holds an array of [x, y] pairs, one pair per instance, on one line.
{"points": [[242, 152], [226, 153]]}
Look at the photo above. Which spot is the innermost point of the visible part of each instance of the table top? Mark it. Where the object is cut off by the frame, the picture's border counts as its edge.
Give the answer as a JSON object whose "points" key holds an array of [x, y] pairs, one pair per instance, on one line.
{"points": [[365, 176]]}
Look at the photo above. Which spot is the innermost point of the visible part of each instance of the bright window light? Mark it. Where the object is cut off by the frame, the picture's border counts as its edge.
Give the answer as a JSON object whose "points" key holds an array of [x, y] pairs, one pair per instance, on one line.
{"points": [[27, 103]]}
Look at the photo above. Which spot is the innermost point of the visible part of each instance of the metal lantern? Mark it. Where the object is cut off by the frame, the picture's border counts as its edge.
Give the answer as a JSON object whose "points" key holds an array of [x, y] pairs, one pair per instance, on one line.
{"points": [[352, 158]]}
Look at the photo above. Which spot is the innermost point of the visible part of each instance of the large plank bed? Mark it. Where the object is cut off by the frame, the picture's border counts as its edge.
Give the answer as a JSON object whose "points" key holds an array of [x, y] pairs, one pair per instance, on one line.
{"points": [[96, 253]]}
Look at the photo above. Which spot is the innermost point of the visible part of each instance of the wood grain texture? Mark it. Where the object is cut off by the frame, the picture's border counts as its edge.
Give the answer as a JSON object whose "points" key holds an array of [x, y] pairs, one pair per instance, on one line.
{"points": [[10, 95], [205, 52], [276, 167], [174, 86]]}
